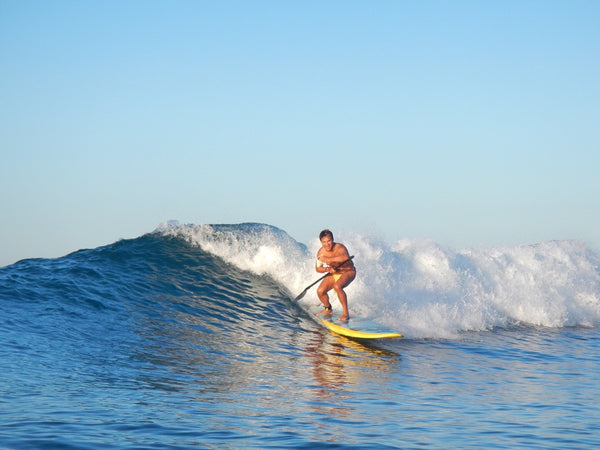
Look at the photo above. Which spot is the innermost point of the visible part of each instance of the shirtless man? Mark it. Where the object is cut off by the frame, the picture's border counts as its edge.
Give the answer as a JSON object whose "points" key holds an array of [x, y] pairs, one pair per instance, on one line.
{"points": [[330, 257]]}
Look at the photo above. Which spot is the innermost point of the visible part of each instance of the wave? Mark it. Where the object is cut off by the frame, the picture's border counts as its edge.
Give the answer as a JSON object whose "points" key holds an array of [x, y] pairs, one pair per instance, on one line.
{"points": [[230, 279]]}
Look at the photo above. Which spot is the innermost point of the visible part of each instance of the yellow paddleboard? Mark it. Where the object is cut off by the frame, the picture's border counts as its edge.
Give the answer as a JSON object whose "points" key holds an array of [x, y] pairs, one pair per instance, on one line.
{"points": [[355, 327]]}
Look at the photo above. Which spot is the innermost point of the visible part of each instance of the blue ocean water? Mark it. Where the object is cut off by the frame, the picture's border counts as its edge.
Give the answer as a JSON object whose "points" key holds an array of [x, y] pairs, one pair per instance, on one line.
{"points": [[189, 337]]}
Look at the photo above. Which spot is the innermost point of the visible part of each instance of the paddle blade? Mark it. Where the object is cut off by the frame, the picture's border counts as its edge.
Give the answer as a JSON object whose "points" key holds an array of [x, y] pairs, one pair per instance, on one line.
{"points": [[302, 294]]}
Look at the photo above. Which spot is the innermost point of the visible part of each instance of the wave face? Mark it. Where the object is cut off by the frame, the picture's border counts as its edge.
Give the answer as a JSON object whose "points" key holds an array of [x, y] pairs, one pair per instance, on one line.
{"points": [[126, 295], [421, 288]]}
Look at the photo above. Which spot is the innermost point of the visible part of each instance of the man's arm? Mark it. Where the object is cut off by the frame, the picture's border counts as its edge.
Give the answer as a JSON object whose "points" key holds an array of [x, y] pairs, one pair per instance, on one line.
{"points": [[340, 255]]}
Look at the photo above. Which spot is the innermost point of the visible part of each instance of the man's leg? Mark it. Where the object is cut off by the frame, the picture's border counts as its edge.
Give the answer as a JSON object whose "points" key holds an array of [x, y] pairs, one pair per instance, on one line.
{"points": [[325, 286], [339, 286]]}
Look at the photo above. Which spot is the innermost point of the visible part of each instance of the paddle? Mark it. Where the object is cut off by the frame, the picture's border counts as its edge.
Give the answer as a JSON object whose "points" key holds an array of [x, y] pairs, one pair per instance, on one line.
{"points": [[303, 293]]}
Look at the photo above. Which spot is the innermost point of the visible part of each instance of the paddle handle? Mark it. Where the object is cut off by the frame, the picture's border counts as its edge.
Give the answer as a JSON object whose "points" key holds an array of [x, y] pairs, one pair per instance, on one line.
{"points": [[303, 293]]}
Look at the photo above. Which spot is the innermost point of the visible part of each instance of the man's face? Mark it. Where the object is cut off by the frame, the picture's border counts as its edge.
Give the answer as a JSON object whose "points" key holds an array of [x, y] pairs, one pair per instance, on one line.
{"points": [[327, 243]]}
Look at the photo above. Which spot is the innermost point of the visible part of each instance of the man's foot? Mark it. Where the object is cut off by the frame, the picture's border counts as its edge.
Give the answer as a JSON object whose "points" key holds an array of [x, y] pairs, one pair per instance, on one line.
{"points": [[344, 318], [327, 310]]}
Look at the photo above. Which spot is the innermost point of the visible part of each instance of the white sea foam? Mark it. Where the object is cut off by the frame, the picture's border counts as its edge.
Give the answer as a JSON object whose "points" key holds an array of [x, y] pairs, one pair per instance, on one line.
{"points": [[258, 248], [422, 288]]}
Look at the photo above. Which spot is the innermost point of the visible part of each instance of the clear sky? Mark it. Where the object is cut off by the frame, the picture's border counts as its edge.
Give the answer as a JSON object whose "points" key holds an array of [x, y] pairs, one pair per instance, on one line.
{"points": [[472, 123]]}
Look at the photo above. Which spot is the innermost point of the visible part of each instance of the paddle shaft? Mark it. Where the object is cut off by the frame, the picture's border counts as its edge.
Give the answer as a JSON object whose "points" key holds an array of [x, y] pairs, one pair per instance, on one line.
{"points": [[303, 293]]}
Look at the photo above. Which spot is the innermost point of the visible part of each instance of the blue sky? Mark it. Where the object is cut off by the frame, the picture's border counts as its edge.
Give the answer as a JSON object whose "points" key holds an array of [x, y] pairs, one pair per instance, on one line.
{"points": [[471, 123]]}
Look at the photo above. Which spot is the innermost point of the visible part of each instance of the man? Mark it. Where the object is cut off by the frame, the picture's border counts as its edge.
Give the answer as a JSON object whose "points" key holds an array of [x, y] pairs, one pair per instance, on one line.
{"points": [[333, 257]]}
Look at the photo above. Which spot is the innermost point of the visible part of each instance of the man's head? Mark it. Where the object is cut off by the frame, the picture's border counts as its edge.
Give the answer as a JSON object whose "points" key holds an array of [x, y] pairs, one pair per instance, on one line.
{"points": [[324, 233]]}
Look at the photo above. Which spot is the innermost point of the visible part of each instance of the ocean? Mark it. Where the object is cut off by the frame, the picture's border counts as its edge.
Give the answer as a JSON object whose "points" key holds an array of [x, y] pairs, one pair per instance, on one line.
{"points": [[189, 337]]}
